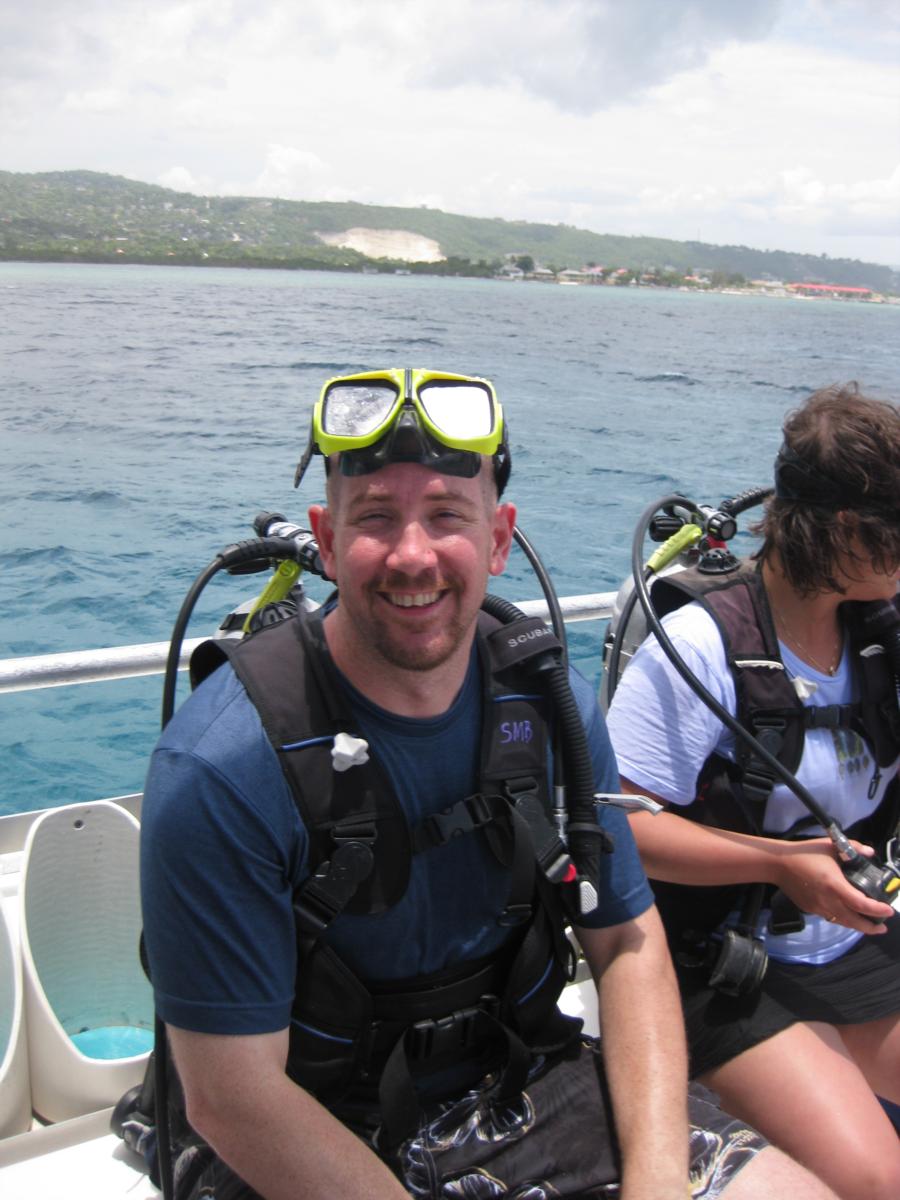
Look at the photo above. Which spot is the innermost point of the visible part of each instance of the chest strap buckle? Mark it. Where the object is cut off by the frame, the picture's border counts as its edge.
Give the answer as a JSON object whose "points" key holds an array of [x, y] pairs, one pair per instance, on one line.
{"points": [[328, 892], [474, 812], [451, 1034]]}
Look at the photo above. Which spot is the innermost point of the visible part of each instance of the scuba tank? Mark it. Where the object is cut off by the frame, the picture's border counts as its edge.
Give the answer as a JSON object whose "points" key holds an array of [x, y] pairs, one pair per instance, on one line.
{"points": [[707, 551]]}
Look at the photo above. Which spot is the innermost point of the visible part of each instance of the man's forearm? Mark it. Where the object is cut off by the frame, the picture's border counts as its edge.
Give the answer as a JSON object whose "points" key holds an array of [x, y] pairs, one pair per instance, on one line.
{"points": [[646, 1063], [302, 1150], [277, 1137]]}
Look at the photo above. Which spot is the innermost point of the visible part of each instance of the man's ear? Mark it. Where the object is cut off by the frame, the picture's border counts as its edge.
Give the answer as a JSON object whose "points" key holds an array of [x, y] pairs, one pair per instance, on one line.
{"points": [[504, 524], [323, 531]]}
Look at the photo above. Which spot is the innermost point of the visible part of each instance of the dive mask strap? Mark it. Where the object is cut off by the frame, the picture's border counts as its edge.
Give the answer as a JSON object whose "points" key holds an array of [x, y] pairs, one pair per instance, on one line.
{"points": [[311, 449]]}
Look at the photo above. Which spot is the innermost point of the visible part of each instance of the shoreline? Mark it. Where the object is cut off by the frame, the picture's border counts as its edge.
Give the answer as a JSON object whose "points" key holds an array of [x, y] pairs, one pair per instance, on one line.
{"points": [[775, 291]]}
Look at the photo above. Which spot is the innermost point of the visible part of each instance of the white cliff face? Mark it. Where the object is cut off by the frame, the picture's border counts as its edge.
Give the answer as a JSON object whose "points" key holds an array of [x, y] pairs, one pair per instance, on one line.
{"points": [[386, 243]]}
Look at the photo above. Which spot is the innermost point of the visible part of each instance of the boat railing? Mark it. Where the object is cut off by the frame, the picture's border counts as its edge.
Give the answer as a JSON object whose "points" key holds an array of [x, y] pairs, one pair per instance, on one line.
{"points": [[149, 658]]}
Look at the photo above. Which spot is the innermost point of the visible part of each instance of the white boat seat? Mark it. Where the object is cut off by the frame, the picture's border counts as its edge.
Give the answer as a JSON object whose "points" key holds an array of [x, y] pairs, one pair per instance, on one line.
{"points": [[15, 1088], [89, 1006]]}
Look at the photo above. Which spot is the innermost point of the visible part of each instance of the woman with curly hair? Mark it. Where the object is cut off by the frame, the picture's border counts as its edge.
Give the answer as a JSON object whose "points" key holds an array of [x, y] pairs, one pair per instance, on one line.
{"points": [[789, 974]]}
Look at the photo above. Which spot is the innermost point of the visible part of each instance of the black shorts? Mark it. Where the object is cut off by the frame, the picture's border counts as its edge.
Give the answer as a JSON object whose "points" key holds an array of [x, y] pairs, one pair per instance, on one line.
{"points": [[558, 1139], [862, 985], [554, 1140]]}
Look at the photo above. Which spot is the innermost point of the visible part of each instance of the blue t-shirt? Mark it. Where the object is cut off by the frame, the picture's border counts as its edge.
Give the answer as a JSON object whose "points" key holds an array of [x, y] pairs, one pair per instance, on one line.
{"points": [[223, 849]]}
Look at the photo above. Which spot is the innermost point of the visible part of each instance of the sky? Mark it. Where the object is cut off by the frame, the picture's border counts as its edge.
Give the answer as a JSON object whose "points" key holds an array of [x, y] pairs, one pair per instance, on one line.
{"points": [[767, 123]]}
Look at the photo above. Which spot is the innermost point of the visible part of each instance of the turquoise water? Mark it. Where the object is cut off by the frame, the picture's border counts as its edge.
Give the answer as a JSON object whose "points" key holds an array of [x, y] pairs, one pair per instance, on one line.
{"points": [[113, 1041], [147, 414]]}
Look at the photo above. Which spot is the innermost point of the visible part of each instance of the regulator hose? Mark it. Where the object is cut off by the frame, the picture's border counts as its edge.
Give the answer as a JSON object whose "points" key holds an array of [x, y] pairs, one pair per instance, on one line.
{"points": [[731, 507], [556, 617], [574, 743], [748, 498], [655, 625], [586, 841], [235, 558]]}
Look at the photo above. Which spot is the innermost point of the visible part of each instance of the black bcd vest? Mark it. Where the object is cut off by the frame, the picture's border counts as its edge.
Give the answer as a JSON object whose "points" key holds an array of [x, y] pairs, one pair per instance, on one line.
{"points": [[357, 1043], [734, 795]]}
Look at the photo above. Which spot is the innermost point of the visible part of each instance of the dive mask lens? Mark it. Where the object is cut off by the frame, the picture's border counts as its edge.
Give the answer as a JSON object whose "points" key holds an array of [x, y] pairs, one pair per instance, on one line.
{"points": [[356, 410], [458, 410]]}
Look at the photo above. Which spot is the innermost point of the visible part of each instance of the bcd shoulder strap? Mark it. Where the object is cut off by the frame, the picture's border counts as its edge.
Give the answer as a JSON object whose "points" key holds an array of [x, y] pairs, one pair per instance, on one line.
{"points": [[767, 703], [287, 672], [879, 711]]}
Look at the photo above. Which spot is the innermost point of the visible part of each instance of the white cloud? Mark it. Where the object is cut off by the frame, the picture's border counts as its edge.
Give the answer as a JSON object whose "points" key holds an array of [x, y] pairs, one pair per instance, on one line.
{"points": [[806, 198], [97, 100], [581, 55], [289, 173], [180, 179], [769, 122]]}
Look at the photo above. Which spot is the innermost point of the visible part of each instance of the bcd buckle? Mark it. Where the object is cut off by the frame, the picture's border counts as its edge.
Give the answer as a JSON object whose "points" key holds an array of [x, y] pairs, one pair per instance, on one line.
{"points": [[328, 892], [455, 1032], [549, 849], [474, 812]]}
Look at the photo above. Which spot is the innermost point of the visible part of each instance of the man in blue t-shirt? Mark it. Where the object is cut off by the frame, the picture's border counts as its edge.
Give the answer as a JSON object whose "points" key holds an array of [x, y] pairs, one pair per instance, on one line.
{"points": [[412, 531]]}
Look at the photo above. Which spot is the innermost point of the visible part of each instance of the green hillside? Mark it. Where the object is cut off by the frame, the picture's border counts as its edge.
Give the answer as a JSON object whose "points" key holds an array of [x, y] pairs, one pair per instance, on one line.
{"points": [[88, 216]]}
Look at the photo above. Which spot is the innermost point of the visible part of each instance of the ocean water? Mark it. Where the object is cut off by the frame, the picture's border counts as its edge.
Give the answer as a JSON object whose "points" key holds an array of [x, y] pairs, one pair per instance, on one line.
{"points": [[147, 414]]}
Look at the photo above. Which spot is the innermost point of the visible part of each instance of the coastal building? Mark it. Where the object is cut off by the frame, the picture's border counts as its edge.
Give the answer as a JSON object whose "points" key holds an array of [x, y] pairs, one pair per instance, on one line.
{"points": [[832, 291]]}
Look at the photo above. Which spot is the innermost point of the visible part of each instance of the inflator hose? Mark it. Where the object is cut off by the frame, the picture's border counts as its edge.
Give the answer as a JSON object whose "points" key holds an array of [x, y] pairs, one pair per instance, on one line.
{"points": [[573, 743], [556, 618]]}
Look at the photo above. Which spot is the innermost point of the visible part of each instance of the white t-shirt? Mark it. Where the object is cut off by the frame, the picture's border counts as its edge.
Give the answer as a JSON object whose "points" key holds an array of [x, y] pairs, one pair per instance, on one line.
{"points": [[663, 733]]}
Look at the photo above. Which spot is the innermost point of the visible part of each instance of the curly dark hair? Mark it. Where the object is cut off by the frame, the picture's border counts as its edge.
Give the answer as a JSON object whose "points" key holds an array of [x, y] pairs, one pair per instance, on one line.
{"points": [[850, 444]]}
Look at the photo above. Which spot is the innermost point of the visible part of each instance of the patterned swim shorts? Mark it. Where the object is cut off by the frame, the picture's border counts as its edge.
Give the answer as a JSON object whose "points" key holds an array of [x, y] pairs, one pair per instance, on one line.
{"points": [[556, 1140]]}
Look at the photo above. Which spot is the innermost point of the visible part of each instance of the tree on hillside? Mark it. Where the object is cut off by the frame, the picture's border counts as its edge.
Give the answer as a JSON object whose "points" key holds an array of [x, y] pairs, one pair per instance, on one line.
{"points": [[720, 279]]}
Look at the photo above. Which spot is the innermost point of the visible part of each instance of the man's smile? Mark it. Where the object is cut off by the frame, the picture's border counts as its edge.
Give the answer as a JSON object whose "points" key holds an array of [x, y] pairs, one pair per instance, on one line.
{"points": [[411, 599]]}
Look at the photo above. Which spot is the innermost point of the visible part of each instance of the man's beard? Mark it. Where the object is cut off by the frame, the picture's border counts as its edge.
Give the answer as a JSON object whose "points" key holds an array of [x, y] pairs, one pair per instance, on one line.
{"points": [[420, 658]]}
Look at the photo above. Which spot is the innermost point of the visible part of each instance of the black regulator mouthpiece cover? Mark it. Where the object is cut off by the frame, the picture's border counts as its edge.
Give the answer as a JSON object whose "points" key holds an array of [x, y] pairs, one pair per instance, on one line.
{"points": [[740, 965]]}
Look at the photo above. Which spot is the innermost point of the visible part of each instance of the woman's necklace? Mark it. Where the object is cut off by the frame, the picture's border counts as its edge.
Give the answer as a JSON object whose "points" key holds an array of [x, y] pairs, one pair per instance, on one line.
{"points": [[834, 661]]}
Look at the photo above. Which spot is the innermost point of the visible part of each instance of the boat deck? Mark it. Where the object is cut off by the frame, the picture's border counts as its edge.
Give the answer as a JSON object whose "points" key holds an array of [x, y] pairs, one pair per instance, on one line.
{"points": [[74, 1160]]}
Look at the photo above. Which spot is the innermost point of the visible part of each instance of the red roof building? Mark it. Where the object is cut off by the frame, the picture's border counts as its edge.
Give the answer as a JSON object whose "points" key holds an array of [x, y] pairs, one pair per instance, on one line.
{"points": [[830, 289]]}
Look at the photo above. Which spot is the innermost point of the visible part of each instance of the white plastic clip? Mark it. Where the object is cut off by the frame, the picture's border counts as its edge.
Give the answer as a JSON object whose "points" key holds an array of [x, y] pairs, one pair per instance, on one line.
{"points": [[805, 688], [587, 896], [348, 751]]}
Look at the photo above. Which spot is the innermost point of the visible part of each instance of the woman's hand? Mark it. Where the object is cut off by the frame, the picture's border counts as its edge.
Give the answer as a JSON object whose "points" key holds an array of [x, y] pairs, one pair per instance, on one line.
{"points": [[808, 872]]}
